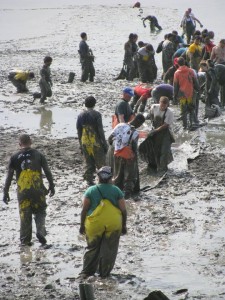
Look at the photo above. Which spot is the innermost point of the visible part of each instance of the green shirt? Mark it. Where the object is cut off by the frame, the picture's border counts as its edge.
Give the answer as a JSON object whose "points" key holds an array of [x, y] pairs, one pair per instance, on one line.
{"points": [[109, 191]]}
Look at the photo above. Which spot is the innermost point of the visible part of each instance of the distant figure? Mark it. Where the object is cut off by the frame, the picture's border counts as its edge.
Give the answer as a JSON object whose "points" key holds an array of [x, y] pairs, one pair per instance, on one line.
{"points": [[46, 80], [86, 59], [19, 79], [188, 23], [147, 68], [153, 23], [31, 192], [137, 4]]}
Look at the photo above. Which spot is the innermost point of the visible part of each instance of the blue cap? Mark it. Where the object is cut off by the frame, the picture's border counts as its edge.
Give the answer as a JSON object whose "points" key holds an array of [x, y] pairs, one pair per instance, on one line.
{"points": [[128, 91]]}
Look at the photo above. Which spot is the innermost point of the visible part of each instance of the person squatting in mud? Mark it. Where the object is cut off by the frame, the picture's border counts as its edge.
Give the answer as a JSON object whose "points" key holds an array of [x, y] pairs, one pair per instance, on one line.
{"points": [[125, 139], [19, 79], [31, 192], [103, 220], [86, 59], [92, 139]]}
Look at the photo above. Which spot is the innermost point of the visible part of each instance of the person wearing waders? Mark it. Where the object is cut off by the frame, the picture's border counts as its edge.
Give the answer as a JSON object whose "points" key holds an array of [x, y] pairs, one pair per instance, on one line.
{"points": [[92, 139], [185, 83], [156, 149], [19, 79], [125, 138], [45, 81], [153, 22], [86, 59], [103, 220], [31, 192]]}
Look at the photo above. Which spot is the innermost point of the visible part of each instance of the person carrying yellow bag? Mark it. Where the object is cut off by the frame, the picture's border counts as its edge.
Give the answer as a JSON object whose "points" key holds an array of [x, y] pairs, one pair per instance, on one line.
{"points": [[103, 220]]}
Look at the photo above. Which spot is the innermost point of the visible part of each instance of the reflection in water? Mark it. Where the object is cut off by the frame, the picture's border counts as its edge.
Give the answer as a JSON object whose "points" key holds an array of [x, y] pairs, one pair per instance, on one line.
{"points": [[46, 120]]}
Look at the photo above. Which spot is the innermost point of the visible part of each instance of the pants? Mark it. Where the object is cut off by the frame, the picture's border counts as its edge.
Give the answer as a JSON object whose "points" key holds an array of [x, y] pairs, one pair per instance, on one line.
{"points": [[93, 161], [88, 70], [103, 229], [187, 107], [19, 84], [130, 68], [27, 208], [46, 90], [222, 95], [125, 173]]}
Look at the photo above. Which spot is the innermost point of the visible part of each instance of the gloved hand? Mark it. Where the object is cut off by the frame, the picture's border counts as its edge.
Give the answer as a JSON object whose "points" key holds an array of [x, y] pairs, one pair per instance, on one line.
{"points": [[201, 25], [144, 26], [82, 229], [105, 147], [51, 190], [152, 132], [6, 198], [124, 230]]}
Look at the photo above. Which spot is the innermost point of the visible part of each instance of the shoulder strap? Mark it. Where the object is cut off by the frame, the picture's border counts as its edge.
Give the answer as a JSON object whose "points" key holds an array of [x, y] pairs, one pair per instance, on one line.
{"points": [[100, 192], [132, 132], [164, 116]]}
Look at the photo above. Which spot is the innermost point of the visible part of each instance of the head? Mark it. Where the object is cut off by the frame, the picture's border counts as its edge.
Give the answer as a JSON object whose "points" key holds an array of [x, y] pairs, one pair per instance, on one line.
{"points": [[90, 102], [137, 4], [189, 10], [47, 60], [203, 66], [175, 62], [211, 34], [149, 47], [141, 44], [83, 35], [138, 120], [207, 40], [170, 36], [163, 103], [105, 174], [174, 32], [128, 93], [197, 40], [181, 61], [25, 141], [131, 37], [222, 43], [31, 75]]}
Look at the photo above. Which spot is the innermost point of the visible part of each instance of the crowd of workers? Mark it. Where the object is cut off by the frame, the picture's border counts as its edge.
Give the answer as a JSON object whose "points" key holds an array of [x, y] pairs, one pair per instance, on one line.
{"points": [[192, 70]]}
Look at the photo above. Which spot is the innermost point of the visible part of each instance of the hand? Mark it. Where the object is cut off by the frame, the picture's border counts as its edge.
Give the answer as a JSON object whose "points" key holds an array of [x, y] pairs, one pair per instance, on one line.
{"points": [[201, 25], [6, 198], [51, 191], [144, 26], [105, 147], [82, 229], [152, 132], [124, 230]]}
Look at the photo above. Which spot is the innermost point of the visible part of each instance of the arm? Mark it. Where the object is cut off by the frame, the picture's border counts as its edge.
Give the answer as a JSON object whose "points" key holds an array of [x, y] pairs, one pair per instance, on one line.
{"points": [[85, 207], [48, 175], [198, 21], [111, 138], [8, 181], [101, 132], [122, 207], [121, 118]]}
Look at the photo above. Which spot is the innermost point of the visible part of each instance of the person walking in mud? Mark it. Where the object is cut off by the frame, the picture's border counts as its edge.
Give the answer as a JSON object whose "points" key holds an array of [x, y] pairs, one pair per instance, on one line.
{"points": [[92, 139], [156, 149], [103, 220], [153, 22], [31, 192], [147, 68], [86, 59], [129, 54], [125, 138], [185, 83], [19, 79], [45, 81]]}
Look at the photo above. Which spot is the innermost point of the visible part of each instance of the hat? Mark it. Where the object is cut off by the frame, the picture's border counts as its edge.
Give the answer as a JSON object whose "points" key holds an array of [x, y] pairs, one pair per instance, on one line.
{"points": [[105, 172], [128, 91]]}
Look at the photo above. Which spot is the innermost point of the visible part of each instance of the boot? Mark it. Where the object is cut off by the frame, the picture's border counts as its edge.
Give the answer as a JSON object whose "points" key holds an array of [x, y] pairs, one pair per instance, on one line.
{"points": [[71, 77]]}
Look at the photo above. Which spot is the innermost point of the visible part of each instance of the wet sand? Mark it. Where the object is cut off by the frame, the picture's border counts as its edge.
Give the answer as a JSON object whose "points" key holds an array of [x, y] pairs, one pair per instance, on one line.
{"points": [[175, 231]]}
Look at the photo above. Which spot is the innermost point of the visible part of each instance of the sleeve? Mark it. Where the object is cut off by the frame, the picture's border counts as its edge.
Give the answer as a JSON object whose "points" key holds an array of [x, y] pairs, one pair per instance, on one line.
{"points": [[9, 176], [169, 117], [47, 171], [100, 129]]}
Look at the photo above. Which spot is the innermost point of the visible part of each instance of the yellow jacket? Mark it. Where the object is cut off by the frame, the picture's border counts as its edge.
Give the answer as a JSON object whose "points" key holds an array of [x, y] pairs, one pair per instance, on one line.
{"points": [[21, 75]]}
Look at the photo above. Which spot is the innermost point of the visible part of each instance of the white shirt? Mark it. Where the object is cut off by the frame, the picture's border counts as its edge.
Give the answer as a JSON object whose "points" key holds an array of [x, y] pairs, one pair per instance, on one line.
{"points": [[122, 133], [169, 116]]}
